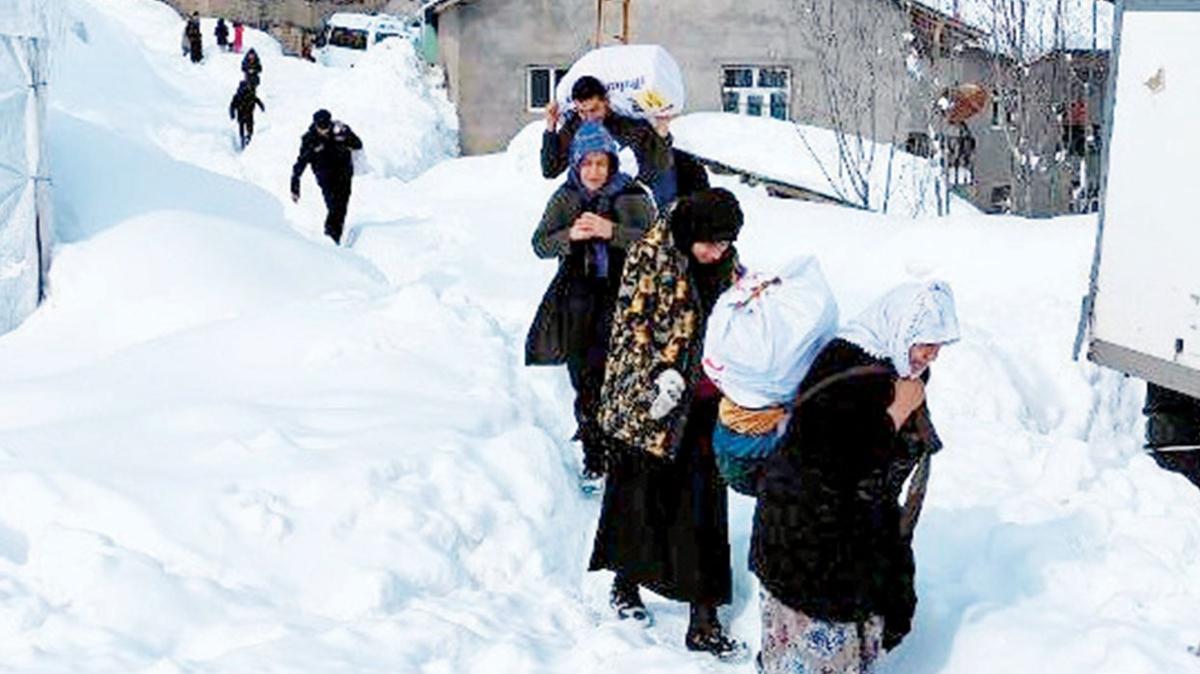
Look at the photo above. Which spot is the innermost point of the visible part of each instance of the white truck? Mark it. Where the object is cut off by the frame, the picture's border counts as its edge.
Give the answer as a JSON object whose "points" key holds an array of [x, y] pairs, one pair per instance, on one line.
{"points": [[1142, 312], [347, 36]]}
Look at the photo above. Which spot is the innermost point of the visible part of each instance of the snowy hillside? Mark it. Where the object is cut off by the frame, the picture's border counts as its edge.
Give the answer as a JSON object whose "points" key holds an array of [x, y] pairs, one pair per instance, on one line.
{"points": [[228, 446]]}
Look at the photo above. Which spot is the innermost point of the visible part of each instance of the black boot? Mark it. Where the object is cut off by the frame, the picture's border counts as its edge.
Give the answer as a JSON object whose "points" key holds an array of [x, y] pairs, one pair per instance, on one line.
{"points": [[627, 601], [705, 634]]}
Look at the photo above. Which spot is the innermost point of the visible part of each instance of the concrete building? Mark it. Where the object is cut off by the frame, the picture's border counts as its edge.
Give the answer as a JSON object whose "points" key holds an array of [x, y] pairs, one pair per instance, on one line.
{"points": [[776, 58]]}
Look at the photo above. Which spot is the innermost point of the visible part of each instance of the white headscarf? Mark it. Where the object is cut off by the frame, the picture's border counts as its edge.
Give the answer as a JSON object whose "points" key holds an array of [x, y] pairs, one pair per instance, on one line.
{"points": [[914, 313]]}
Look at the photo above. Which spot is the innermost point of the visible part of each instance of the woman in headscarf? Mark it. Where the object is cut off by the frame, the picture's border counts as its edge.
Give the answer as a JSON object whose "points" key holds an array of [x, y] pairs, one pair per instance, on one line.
{"points": [[664, 520], [834, 562], [587, 225]]}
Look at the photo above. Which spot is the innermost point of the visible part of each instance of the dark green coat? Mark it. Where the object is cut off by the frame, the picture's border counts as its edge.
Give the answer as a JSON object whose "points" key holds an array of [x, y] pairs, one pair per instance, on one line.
{"points": [[576, 310]]}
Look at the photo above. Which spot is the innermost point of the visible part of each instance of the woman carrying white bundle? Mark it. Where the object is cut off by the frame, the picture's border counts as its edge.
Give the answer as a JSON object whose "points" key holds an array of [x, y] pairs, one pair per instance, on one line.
{"points": [[829, 547]]}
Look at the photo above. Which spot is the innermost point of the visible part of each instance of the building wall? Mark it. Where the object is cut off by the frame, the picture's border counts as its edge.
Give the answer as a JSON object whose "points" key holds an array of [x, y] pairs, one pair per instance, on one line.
{"points": [[488, 45], [500, 40]]}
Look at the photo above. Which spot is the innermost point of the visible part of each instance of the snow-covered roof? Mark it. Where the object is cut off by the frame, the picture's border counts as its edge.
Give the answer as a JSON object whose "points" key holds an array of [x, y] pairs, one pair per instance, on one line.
{"points": [[438, 5], [806, 157]]}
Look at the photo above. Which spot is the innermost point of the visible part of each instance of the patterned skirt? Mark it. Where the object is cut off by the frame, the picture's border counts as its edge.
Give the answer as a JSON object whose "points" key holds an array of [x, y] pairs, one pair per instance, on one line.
{"points": [[793, 643]]}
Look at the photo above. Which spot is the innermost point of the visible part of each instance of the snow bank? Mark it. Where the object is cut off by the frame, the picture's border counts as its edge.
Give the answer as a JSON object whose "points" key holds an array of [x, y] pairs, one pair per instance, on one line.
{"points": [[808, 157], [226, 446], [411, 124]]}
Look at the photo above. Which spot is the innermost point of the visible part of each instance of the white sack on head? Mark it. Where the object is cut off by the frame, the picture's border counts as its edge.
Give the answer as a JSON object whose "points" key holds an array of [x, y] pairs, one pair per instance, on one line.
{"points": [[765, 332], [914, 313], [642, 80]]}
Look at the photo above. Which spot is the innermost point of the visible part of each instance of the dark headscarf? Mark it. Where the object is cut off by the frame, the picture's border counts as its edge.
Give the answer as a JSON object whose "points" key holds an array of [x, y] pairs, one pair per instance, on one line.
{"points": [[708, 216]]}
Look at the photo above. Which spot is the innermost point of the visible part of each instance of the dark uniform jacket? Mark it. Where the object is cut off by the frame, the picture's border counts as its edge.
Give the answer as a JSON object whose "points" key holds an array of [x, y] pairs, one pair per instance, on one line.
{"points": [[330, 156]]}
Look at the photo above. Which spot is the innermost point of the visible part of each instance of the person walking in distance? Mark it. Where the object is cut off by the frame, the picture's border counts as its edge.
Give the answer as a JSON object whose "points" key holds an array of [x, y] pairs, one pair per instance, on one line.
{"points": [[222, 34], [238, 29], [242, 108], [252, 67], [194, 38], [327, 147]]}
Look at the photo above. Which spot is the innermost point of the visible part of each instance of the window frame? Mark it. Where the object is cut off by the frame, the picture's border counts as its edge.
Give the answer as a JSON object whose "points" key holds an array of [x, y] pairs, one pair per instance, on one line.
{"points": [[337, 34], [765, 94], [556, 75]]}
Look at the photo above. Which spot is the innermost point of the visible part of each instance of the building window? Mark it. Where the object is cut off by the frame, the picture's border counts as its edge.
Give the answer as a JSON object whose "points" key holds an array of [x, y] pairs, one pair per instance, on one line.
{"points": [[1001, 201], [758, 91], [541, 82], [960, 159], [754, 106], [349, 38], [917, 144], [729, 101], [1002, 110]]}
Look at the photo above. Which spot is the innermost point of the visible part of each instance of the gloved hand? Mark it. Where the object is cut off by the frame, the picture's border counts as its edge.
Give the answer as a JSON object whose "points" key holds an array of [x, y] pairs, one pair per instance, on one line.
{"points": [[670, 385]]}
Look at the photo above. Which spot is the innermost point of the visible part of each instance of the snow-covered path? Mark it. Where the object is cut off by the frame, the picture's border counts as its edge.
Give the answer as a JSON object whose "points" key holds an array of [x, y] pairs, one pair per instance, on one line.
{"points": [[227, 446]]}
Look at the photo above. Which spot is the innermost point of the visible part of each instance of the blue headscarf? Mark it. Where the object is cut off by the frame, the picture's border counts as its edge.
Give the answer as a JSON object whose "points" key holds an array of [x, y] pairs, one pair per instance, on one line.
{"points": [[593, 137]]}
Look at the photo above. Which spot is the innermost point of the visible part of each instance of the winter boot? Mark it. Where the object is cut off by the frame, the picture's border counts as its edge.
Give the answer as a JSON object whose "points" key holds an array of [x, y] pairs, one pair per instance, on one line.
{"points": [[717, 643], [627, 601], [705, 634]]}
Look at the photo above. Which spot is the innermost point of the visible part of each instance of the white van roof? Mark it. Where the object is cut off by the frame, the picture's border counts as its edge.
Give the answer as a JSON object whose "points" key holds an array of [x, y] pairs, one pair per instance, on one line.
{"points": [[351, 20], [354, 20]]}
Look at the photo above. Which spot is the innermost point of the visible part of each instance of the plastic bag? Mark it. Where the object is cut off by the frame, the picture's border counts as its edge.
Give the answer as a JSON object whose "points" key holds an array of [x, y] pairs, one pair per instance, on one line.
{"points": [[643, 80], [765, 332]]}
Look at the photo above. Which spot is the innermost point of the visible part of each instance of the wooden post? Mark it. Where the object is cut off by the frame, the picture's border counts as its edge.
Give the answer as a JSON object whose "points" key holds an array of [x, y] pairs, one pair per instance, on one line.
{"points": [[625, 21], [599, 23]]}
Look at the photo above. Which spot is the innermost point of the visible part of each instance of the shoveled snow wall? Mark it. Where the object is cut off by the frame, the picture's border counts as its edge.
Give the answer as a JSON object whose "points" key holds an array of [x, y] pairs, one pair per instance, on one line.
{"points": [[25, 224], [1145, 298]]}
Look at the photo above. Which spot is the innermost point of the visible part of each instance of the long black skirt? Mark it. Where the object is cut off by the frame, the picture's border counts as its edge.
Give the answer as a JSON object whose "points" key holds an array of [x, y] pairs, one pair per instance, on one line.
{"points": [[665, 525]]}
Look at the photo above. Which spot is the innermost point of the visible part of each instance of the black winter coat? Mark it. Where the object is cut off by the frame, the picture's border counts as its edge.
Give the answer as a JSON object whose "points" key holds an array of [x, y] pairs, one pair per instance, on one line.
{"points": [[664, 524], [243, 102], [330, 157], [652, 152], [576, 312], [827, 539], [690, 174], [251, 67]]}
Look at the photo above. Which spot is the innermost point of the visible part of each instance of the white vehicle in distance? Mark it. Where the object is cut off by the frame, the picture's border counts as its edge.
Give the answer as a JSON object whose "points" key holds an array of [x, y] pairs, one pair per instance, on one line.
{"points": [[348, 36]]}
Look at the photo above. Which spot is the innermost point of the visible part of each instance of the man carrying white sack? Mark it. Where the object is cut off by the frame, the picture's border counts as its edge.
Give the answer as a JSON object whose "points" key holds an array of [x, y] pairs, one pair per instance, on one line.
{"points": [[590, 98]]}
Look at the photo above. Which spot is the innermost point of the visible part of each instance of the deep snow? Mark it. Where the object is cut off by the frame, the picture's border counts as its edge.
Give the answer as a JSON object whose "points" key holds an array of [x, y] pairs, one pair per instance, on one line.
{"points": [[227, 446]]}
